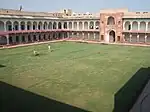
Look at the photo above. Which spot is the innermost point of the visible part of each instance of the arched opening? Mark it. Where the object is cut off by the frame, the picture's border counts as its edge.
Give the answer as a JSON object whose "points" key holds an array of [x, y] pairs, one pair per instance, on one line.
{"points": [[3, 40], [45, 26], [80, 26], [10, 40], [70, 25], [44, 37], [8, 26], [65, 25], [54, 25], [97, 24], [23, 39], [22, 25], [111, 21], [28, 25], [34, 37], [1, 26], [135, 25], [86, 25], [16, 26], [59, 25], [29, 38], [40, 26], [111, 36], [50, 25], [75, 25], [34, 25], [127, 25], [17, 39], [142, 26], [91, 25]]}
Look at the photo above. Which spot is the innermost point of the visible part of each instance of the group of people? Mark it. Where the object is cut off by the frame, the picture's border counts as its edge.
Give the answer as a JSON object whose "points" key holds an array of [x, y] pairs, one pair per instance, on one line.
{"points": [[36, 53]]}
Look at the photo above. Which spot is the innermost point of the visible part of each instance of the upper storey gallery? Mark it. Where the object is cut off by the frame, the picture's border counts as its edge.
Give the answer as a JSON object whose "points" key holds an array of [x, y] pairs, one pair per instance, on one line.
{"points": [[11, 20]]}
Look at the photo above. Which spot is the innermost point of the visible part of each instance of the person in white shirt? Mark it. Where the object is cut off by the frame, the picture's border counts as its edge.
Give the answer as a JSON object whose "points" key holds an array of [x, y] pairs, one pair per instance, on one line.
{"points": [[49, 47]]}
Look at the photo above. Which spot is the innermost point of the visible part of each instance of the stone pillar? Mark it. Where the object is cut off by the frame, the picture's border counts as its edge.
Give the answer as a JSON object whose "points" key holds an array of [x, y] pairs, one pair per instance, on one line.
{"points": [[130, 37], [77, 25], [88, 36], [7, 38], [123, 36], [138, 38], [26, 38], [68, 35], [73, 25], [94, 34], [72, 35], [138, 26], [146, 26], [94, 27], [83, 35], [82, 25], [145, 38], [25, 26], [5, 27]]}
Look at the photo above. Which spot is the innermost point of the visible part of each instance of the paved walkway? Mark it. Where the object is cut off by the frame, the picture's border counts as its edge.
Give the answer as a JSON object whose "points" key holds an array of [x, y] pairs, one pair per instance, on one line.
{"points": [[94, 42]]}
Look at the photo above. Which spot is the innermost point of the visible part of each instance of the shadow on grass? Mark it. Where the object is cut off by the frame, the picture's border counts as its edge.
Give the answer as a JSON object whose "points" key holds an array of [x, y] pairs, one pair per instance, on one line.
{"points": [[13, 99], [125, 98], [1, 66]]}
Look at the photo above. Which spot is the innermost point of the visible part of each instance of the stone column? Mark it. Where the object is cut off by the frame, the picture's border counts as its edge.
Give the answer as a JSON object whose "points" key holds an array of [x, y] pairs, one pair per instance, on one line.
{"points": [[83, 35], [94, 36], [88, 36], [82, 25], [26, 38], [146, 26], [7, 37], [130, 37], [73, 25], [138, 38], [145, 38], [68, 35], [77, 25], [138, 26]]}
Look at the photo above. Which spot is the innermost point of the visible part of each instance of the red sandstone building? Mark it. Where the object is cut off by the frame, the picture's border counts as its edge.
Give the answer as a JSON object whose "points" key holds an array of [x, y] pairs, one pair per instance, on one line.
{"points": [[111, 25]]}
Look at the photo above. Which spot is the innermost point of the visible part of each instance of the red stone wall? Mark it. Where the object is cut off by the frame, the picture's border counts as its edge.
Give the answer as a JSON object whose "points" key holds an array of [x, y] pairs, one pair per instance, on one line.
{"points": [[117, 27]]}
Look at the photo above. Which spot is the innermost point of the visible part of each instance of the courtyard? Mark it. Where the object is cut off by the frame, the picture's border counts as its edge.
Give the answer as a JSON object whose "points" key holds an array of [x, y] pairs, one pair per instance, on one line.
{"points": [[79, 74]]}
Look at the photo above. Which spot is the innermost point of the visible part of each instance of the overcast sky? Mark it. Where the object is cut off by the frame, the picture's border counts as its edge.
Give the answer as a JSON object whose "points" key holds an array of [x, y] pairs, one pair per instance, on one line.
{"points": [[76, 5]]}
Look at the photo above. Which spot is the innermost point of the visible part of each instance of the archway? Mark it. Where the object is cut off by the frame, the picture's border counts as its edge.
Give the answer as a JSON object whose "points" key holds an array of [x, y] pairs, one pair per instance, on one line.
{"points": [[65, 25], [111, 21], [22, 25], [29, 25], [80, 26], [9, 26], [59, 25], [16, 26], [45, 26], [1, 26], [111, 36], [50, 25], [34, 25], [70, 25], [54, 25], [40, 26]]}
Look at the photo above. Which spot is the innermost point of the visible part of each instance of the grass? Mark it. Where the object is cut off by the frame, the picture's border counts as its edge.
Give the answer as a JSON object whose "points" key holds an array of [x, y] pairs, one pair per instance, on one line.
{"points": [[83, 75]]}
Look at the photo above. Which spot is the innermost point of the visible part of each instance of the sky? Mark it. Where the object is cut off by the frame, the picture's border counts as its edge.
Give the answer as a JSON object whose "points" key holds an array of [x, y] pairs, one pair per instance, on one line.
{"points": [[75, 5]]}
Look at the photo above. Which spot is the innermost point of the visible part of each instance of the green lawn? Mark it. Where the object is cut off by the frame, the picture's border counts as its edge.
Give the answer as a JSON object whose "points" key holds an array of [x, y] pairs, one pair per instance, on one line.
{"points": [[82, 75]]}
